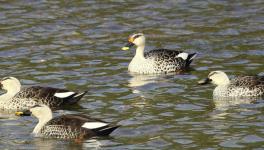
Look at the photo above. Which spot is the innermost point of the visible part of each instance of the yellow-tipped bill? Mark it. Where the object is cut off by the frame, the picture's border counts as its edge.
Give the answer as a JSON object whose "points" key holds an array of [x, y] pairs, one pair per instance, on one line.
{"points": [[125, 48], [19, 113], [204, 81], [129, 44], [23, 113]]}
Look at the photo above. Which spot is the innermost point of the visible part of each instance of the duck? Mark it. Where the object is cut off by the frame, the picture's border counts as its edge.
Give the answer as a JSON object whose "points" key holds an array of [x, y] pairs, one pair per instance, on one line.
{"points": [[157, 61], [18, 98], [69, 126], [241, 86]]}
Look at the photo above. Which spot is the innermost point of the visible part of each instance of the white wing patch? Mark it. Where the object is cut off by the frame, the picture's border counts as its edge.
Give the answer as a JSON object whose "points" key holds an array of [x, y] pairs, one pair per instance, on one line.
{"points": [[94, 125], [184, 56], [63, 95]]}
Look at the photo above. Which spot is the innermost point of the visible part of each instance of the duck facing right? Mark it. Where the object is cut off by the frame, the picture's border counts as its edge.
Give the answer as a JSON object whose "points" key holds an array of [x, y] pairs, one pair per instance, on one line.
{"points": [[241, 86]]}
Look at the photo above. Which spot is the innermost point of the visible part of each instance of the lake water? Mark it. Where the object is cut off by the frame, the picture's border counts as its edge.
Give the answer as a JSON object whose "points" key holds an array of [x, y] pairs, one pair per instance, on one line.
{"points": [[77, 45]]}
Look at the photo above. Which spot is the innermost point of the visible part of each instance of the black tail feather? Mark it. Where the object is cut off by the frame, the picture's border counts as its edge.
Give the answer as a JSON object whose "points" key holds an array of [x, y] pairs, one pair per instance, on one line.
{"points": [[75, 98], [106, 130], [190, 59]]}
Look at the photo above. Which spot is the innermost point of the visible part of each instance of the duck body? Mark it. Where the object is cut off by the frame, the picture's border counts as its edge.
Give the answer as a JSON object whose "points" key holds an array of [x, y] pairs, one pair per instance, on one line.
{"points": [[242, 86], [72, 127], [53, 97], [17, 98], [156, 61], [159, 61]]}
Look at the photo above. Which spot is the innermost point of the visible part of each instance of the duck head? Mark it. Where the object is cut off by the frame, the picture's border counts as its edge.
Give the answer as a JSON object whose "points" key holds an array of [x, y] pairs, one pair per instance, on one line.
{"points": [[215, 77], [10, 84], [39, 111], [137, 39]]}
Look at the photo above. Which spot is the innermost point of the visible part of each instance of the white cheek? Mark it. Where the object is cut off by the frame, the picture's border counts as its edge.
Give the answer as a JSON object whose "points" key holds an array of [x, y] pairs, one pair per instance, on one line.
{"points": [[94, 125], [136, 42], [63, 95], [139, 41]]}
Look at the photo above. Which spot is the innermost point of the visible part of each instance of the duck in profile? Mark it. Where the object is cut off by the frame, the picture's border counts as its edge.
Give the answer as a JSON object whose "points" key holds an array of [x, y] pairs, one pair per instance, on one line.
{"points": [[156, 61], [18, 98], [242, 86], [70, 126]]}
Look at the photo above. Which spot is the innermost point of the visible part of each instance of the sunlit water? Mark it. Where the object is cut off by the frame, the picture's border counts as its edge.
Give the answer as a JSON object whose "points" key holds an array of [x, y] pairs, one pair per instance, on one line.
{"points": [[76, 45]]}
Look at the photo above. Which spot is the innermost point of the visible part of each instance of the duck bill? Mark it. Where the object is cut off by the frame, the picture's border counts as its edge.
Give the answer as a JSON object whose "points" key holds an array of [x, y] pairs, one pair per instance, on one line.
{"points": [[23, 113], [204, 81], [128, 46]]}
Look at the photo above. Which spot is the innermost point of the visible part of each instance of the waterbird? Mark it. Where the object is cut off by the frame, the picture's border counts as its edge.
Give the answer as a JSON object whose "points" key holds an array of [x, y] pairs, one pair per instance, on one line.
{"points": [[69, 126], [240, 86], [18, 98], [158, 60]]}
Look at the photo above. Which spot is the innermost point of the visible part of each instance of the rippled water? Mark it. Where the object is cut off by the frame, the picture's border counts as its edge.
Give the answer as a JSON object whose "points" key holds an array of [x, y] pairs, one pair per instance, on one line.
{"points": [[76, 45]]}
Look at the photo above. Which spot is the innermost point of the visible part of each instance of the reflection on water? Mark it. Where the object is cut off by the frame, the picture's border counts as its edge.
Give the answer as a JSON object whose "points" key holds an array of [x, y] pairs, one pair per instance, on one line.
{"points": [[92, 144], [141, 80], [224, 103], [48, 144], [141, 84]]}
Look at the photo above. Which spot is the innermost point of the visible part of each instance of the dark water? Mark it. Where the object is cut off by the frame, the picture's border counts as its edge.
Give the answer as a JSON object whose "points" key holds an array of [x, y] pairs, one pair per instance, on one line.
{"points": [[76, 45]]}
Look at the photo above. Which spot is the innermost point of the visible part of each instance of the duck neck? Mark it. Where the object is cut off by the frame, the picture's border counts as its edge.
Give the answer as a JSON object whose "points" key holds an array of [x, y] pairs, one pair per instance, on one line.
{"points": [[226, 82], [42, 121], [140, 51]]}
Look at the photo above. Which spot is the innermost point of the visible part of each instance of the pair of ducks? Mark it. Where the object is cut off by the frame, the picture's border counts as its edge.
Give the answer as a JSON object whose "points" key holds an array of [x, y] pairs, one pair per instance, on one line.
{"points": [[165, 61], [40, 100]]}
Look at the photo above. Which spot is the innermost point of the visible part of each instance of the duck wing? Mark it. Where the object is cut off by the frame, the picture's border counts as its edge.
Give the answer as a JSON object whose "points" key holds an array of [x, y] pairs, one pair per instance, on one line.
{"points": [[53, 97], [86, 125], [171, 58], [249, 81], [162, 54]]}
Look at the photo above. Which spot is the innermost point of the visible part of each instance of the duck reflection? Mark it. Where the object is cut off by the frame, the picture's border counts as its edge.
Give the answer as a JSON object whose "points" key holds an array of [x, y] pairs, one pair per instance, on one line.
{"points": [[141, 85], [225, 106], [48, 144], [138, 80], [92, 144], [224, 103]]}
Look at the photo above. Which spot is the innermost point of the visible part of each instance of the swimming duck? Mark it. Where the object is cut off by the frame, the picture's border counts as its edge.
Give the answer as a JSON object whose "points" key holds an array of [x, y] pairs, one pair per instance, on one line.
{"points": [[158, 60], [17, 98], [242, 86], [70, 126]]}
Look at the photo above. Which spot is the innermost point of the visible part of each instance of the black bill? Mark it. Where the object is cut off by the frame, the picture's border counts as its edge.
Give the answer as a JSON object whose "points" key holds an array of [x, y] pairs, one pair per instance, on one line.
{"points": [[204, 81], [129, 45], [23, 113]]}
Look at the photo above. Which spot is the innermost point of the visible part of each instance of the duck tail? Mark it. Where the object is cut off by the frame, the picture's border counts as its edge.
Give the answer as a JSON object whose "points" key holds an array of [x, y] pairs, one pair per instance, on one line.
{"points": [[106, 130], [190, 59], [75, 98]]}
